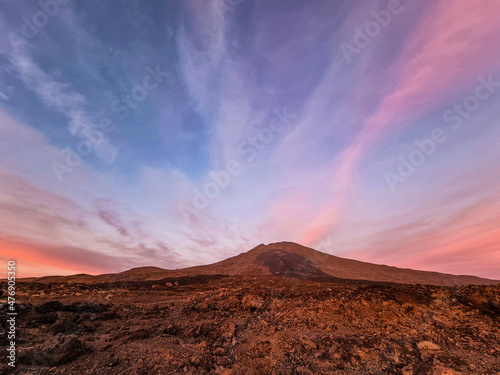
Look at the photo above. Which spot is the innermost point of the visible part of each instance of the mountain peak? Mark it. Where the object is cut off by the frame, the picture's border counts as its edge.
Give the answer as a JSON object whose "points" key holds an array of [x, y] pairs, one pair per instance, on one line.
{"points": [[291, 260]]}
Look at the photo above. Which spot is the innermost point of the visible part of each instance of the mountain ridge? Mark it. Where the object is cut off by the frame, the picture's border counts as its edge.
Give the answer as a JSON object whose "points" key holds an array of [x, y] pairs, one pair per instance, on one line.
{"points": [[283, 259]]}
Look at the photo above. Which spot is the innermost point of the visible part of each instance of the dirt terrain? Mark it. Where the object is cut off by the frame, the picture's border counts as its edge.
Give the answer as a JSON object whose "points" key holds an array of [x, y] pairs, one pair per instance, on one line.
{"points": [[255, 325]]}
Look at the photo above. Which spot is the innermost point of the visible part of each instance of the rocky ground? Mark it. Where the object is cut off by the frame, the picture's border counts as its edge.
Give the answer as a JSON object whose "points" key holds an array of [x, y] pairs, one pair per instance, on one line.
{"points": [[262, 325]]}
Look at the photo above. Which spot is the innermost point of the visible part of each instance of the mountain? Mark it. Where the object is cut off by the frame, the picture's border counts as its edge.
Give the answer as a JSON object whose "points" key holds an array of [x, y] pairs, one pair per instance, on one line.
{"points": [[285, 259]]}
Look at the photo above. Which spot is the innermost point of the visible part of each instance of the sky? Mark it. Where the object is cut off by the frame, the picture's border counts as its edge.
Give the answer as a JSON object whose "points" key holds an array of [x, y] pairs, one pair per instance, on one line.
{"points": [[180, 133]]}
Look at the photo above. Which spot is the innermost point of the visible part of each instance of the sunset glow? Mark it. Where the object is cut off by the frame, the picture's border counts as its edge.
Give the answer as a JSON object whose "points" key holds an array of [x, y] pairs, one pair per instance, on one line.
{"points": [[174, 134]]}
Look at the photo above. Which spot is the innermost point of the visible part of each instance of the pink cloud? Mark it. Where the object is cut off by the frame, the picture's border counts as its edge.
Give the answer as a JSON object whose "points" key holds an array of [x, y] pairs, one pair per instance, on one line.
{"points": [[452, 46], [67, 259], [465, 240], [455, 43]]}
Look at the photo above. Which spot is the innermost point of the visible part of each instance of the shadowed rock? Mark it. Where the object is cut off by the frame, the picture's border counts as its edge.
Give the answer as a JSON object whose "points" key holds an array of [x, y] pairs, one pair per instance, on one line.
{"points": [[287, 264]]}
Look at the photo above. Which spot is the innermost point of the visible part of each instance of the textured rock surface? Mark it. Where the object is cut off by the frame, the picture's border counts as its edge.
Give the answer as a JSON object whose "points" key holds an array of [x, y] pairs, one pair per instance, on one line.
{"points": [[258, 325]]}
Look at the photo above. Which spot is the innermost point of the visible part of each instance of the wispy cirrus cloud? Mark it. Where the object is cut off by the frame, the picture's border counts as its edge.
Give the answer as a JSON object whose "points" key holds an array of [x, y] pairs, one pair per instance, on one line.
{"points": [[319, 181], [423, 79], [59, 96]]}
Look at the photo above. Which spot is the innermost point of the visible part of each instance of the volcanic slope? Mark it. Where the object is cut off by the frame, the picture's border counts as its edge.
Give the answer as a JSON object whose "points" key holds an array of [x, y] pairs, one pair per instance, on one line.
{"points": [[285, 259]]}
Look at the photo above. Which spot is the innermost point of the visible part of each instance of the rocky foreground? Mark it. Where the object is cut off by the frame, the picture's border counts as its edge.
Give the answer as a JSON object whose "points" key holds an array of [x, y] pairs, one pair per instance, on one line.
{"points": [[255, 325]]}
